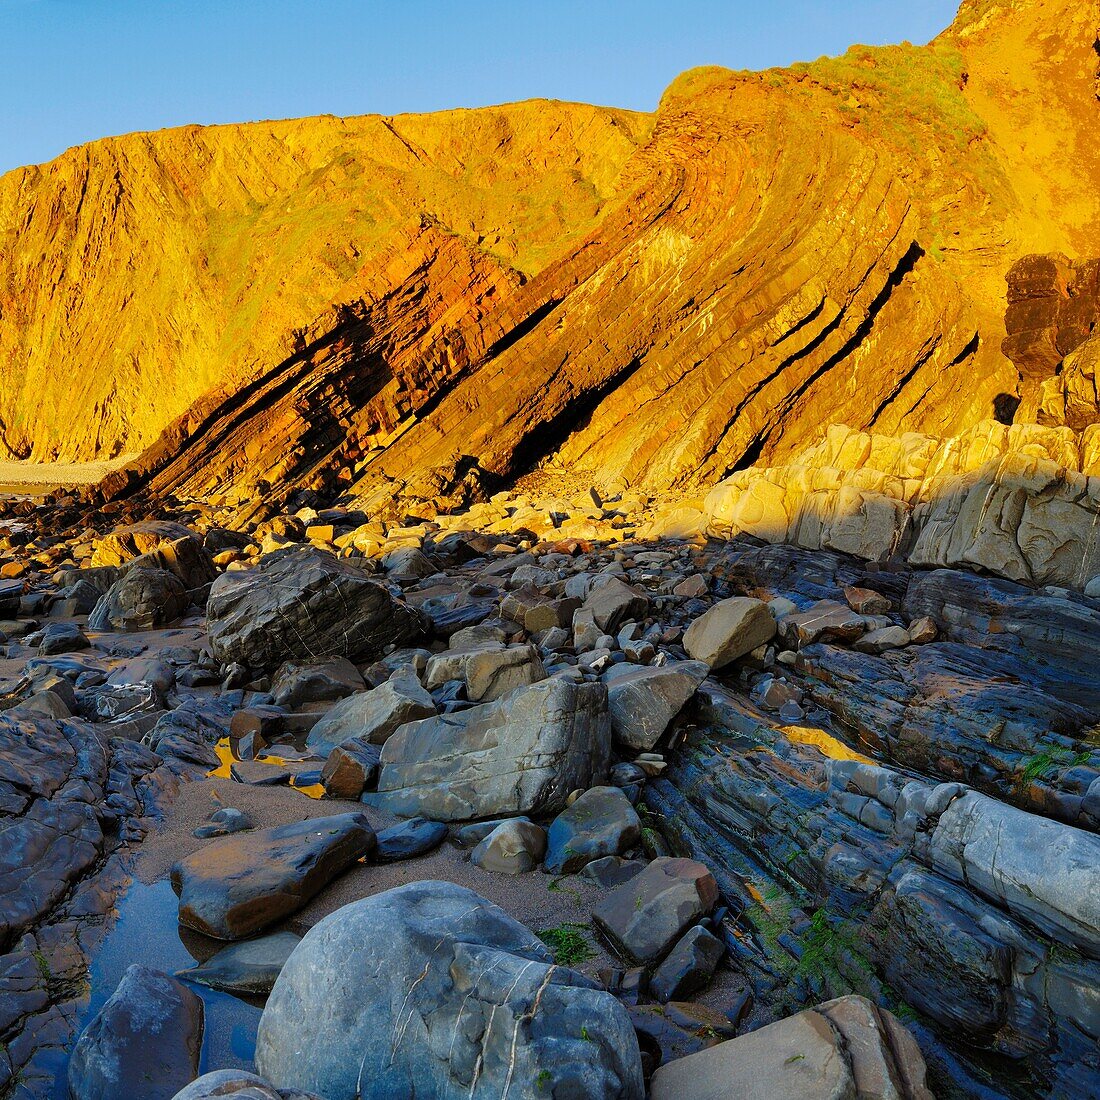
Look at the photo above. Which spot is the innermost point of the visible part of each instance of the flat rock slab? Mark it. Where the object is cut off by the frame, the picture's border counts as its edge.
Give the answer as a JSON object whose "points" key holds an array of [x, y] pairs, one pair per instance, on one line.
{"points": [[644, 917], [250, 967], [236, 886], [144, 1042]]}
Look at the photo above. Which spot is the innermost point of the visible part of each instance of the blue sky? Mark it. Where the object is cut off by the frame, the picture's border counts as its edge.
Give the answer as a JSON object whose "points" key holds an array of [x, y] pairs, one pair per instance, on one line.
{"points": [[74, 70]]}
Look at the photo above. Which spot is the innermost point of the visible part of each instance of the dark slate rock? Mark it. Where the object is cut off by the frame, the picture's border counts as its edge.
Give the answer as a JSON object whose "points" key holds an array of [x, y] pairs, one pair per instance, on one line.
{"points": [[303, 605], [144, 1042], [411, 838], [689, 966], [144, 599]]}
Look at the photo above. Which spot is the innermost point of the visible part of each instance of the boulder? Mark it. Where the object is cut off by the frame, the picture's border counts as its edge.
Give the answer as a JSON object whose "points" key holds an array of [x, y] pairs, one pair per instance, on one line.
{"points": [[186, 558], [521, 754], [143, 599], [430, 990], [299, 682], [62, 638], [611, 603], [729, 630], [409, 839], [494, 673], [644, 917], [840, 1050], [512, 848], [304, 604], [643, 701], [825, 621], [144, 1041], [250, 967], [123, 544], [351, 767], [451, 664], [601, 822], [240, 1084], [408, 561], [688, 967], [238, 885], [372, 715]]}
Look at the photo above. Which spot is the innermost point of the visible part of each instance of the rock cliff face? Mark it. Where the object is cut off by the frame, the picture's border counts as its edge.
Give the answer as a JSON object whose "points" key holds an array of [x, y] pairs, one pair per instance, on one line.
{"points": [[419, 309]]}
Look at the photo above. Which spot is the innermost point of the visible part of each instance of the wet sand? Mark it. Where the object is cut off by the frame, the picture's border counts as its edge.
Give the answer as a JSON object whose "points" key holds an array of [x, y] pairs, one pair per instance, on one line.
{"points": [[538, 900]]}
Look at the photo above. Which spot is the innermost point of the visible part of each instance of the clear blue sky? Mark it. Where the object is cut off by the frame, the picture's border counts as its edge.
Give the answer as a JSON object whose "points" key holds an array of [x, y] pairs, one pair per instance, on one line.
{"points": [[74, 70]]}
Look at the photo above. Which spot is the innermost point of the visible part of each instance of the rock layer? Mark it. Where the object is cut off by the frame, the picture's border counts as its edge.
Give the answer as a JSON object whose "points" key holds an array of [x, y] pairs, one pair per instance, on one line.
{"points": [[765, 252]]}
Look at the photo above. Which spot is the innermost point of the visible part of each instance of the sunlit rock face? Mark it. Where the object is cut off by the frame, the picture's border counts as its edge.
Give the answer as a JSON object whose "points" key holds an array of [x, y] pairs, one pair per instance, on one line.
{"points": [[420, 308]]}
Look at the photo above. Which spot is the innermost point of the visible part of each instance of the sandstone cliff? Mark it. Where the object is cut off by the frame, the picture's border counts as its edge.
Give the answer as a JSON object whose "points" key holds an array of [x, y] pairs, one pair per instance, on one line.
{"points": [[420, 309]]}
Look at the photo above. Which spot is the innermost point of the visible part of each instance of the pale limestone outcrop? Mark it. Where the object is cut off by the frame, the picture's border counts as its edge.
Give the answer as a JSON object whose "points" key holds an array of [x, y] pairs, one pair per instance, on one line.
{"points": [[1020, 502]]}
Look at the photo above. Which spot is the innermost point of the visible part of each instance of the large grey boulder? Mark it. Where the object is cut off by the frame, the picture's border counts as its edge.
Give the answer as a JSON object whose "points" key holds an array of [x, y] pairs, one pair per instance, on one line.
{"points": [[729, 630], [144, 1041], [842, 1050], [372, 715], [430, 990], [643, 700], [143, 599], [240, 884], [521, 754], [304, 604]]}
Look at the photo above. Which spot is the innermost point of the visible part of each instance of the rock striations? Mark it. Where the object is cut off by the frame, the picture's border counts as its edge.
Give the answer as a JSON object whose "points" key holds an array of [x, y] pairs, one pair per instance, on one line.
{"points": [[420, 308]]}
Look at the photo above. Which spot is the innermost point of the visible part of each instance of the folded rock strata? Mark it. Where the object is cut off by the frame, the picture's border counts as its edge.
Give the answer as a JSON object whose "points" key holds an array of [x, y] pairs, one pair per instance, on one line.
{"points": [[923, 894]]}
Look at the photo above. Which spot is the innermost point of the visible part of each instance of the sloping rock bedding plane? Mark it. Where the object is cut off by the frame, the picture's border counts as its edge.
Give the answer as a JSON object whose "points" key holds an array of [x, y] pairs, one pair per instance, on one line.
{"points": [[610, 609]]}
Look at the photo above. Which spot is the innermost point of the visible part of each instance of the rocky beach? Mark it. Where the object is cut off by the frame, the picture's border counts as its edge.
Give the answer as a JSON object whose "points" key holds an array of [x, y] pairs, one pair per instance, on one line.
{"points": [[553, 601], [608, 805]]}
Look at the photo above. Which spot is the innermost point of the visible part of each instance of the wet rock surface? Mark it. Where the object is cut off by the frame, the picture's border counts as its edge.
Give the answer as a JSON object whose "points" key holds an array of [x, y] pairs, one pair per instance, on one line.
{"points": [[244, 883], [145, 1041]]}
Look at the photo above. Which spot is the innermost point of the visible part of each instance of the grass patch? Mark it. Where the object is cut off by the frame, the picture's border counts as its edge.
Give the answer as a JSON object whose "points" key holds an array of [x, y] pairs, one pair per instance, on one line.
{"points": [[569, 943], [1042, 764], [43, 965]]}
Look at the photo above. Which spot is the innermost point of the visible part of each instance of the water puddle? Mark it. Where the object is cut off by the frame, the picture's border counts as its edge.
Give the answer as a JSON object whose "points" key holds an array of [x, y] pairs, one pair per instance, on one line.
{"points": [[226, 759], [147, 931]]}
